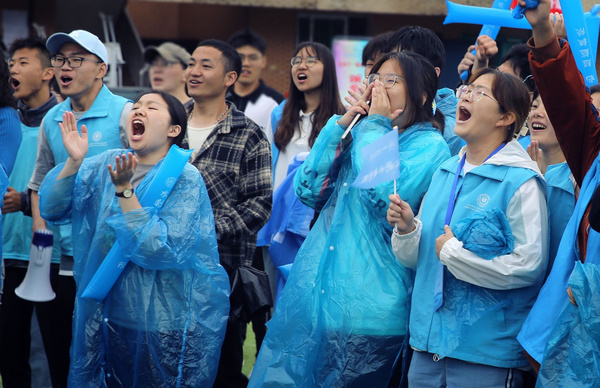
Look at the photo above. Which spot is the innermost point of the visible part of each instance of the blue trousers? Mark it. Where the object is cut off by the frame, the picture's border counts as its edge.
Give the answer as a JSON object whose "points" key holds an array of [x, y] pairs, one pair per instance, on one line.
{"points": [[426, 370]]}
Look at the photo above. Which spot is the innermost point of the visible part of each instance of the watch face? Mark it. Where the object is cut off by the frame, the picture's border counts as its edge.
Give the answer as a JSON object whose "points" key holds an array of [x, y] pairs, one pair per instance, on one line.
{"points": [[127, 193]]}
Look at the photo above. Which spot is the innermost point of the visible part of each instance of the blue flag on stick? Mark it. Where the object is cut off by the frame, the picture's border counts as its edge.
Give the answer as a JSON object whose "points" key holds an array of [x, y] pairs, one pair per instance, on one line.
{"points": [[381, 162]]}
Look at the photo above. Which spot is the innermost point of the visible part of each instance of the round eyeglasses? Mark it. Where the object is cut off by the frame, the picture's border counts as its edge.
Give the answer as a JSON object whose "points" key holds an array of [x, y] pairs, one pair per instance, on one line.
{"points": [[388, 80], [308, 61], [475, 94], [73, 62]]}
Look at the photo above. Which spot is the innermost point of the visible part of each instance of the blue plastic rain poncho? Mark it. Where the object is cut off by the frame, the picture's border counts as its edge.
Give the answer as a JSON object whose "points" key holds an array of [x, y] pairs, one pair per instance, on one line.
{"points": [[290, 221], [572, 357], [163, 322], [343, 313], [486, 233]]}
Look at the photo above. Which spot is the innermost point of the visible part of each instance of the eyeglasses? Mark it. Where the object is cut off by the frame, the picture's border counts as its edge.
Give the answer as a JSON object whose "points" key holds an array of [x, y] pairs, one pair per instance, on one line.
{"points": [[388, 80], [74, 62], [308, 61], [475, 94]]}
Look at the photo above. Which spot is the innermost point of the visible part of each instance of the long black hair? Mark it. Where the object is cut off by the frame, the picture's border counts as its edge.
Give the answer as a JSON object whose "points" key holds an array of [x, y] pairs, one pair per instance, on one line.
{"points": [[330, 99], [421, 80]]}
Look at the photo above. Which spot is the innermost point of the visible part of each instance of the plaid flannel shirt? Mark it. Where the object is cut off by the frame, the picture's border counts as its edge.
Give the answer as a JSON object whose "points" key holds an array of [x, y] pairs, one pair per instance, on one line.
{"points": [[235, 162]]}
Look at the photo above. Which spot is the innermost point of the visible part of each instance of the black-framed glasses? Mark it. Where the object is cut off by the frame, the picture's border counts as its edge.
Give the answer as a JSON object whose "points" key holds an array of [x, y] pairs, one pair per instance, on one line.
{"points": [[308, 61], [475, 94], [74, 62], [388, 80]]}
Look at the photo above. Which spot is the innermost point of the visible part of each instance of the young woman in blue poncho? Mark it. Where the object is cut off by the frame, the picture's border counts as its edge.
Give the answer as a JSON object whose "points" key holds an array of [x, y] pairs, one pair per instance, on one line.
{"points": [[479, 245], [343, 314], [163, 321], [545, 150]]}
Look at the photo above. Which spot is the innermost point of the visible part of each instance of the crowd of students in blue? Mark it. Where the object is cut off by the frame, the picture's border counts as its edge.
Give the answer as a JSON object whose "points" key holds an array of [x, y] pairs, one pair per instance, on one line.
{"points": [[477, 267]]}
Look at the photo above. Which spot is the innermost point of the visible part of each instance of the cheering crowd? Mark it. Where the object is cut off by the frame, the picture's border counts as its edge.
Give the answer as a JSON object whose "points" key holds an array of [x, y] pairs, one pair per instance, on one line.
{"points": [[193, 205]]}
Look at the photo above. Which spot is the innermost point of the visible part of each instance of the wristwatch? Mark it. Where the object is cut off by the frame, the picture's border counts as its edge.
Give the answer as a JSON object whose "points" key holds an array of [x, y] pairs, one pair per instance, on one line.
{"points": [[127, 193]]}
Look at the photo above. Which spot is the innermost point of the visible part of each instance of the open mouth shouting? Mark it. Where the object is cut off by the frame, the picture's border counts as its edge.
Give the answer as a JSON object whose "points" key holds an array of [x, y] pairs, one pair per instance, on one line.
{"points": [[137, 129], [463, 115], [15, 84], [65, 80], [302, 77]]}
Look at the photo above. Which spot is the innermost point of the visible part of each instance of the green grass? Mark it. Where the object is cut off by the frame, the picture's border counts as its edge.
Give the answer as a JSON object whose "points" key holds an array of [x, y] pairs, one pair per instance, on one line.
{"points": [[249, 351]]}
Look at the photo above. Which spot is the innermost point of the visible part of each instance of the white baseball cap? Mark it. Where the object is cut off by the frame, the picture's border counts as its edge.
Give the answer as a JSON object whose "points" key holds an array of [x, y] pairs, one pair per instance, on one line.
{"points": [[85, 39]]}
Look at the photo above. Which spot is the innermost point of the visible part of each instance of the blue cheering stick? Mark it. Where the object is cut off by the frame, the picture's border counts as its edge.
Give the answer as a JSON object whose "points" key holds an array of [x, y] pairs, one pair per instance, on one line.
{"points": [[519, 10], [489, 30]]}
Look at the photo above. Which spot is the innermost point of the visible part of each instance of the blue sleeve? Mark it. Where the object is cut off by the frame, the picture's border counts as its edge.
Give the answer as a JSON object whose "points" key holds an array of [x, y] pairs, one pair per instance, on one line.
{"points": [[421, 154], [174, 236], [10, 135], [56, 196], [315, 179]]}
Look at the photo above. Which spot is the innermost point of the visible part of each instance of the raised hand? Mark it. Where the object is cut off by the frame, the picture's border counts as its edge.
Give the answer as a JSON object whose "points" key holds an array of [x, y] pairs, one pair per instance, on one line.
{"points": [[123, 172], [354, 96], [486, 48], [539, 19], [76, 145], [360, 108], [558, 23], [535, 153], [467, 61], [400, 215]]}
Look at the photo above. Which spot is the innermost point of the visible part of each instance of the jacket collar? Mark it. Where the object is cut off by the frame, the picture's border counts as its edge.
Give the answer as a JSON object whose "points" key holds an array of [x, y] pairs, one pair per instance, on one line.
{"points": [[100, 106]]}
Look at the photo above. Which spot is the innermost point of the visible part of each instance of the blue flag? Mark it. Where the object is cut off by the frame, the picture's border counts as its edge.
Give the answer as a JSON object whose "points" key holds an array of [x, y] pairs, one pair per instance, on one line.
{"points": [[381, 161]]}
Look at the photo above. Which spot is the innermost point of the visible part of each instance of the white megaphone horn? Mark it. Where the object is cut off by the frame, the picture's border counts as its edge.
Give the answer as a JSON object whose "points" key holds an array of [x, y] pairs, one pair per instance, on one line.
{"points": [[36, 285]]}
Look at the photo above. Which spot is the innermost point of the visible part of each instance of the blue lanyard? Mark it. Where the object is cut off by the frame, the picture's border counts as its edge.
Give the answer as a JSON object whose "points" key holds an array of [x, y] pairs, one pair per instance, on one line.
{"points": [[453, 193]]}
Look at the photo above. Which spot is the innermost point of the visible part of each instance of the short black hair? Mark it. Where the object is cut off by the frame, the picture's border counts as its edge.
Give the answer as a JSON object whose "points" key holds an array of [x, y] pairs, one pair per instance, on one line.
{"points": [[248, 38], [518, 56], [230, 58], [376, 46], [176, 110], [32, 42], [420, 40]]}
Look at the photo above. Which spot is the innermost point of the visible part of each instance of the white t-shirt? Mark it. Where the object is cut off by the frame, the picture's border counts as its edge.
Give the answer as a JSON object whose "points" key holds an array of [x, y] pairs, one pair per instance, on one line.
{"points": [[298, 144], [197, 137]]}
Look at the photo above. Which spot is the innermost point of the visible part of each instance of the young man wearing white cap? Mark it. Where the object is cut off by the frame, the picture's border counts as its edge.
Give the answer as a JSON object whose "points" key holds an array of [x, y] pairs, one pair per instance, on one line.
{"points": [[80, 62], [167, 64]]}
